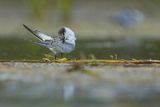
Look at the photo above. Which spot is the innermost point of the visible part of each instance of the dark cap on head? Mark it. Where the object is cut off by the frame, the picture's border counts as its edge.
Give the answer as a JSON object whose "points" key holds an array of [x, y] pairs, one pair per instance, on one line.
{"points": [[62, 31]]}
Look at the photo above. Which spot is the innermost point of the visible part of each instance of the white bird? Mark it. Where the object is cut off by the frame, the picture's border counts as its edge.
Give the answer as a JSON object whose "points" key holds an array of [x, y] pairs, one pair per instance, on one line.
{"points": [[63, 43]]}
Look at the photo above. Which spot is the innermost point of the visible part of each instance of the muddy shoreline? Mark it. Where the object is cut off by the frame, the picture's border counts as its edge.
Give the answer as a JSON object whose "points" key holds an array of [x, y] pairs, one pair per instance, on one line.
{"points": [[61, 84]]}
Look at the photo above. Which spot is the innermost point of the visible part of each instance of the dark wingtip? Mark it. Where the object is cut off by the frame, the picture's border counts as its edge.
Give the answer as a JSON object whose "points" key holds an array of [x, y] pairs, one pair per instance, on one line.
{"points": [[33, 32], [25, 26]]}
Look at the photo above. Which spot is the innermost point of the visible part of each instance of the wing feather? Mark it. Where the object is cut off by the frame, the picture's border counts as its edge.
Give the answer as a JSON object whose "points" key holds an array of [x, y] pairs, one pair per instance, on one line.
{"points": [[38, 34]]}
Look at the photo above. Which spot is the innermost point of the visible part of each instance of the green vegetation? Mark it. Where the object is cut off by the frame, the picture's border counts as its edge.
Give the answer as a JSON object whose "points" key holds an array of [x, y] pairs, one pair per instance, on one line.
{"points": [[38, 8], [64, 7]]}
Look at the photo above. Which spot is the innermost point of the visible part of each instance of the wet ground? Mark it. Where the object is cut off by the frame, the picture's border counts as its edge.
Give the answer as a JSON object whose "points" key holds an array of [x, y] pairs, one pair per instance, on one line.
{"points": [[60, 84]]}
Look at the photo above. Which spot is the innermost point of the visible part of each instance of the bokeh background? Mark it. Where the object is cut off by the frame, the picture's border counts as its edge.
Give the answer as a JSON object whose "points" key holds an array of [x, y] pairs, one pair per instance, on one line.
{"points": [[87, 17], [111, 30], [123, 29]]}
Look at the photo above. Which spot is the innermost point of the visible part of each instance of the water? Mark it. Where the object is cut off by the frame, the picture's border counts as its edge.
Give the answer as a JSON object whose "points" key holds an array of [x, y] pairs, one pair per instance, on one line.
{"points": [[122, 48], [42, 84]]}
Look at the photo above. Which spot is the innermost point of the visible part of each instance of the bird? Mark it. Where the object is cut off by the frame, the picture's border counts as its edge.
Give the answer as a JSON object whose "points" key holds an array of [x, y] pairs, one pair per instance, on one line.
{"points": [[64, 42]]}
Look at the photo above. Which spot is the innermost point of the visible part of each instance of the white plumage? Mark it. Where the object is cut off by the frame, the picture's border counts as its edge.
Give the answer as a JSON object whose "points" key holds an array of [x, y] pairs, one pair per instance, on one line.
{"points": [[63, 43]]}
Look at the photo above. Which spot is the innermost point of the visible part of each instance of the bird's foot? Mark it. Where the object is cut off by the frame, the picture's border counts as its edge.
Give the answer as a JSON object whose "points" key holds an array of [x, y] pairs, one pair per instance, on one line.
{"points": [[62, 60], [49, 58]]}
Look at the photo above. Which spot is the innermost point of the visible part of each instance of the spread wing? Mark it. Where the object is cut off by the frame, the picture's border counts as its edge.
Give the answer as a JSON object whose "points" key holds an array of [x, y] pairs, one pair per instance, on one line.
{"points": [[38, 34]]}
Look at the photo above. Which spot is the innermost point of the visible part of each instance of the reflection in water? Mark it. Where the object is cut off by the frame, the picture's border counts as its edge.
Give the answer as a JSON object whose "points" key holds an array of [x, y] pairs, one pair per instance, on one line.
{"points": [[41, 86], [68, 91]]}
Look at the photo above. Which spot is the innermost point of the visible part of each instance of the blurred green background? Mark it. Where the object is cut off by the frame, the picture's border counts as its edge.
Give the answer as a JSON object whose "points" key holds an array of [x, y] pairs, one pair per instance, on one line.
{"points": [[106, 27], [86, 17]]}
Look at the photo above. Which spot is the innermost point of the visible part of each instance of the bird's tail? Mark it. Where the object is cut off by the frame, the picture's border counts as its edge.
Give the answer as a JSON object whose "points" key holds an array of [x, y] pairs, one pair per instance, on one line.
{"points": [[32, 31], [38, 34]]}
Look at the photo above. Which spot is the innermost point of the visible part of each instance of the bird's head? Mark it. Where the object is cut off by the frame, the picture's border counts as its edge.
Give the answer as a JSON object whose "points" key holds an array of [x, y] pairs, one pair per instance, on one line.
{"points": [[67, 35]]}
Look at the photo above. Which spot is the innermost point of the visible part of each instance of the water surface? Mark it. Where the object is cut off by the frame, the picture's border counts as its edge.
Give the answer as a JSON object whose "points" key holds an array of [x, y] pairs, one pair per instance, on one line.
{"points": [[42, 84], [122, 48]]}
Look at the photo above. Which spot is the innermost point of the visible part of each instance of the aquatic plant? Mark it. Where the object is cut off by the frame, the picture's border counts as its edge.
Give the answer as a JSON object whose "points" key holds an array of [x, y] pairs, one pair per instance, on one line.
{"points": [[48, 58], [80, 67], [51, 58], [114, 57]]}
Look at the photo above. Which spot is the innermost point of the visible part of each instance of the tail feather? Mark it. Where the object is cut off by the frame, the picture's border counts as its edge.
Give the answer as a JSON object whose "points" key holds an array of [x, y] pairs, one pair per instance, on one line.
{"points": [[33, 32], [39, 35]]}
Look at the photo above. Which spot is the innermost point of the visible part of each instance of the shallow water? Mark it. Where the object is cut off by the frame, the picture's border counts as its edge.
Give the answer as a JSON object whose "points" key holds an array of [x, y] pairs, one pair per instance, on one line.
{"points": [[40, 84], [123, 48]]}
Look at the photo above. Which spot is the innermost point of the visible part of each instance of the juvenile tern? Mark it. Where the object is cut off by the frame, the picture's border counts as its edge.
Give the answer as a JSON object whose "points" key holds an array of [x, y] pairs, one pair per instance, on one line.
{"points": [[63, 43]]}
